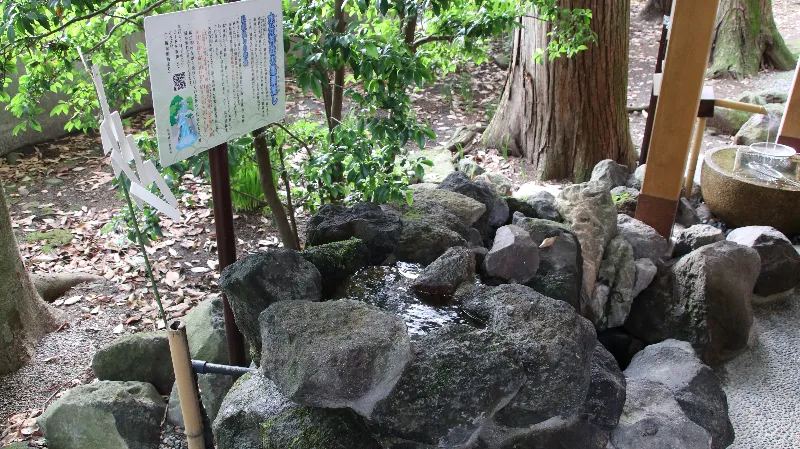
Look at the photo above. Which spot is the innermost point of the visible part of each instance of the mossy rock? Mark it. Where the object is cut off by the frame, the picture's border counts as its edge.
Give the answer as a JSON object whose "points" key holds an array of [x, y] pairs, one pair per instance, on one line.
{"points": [[730, 121], [337, 261]]}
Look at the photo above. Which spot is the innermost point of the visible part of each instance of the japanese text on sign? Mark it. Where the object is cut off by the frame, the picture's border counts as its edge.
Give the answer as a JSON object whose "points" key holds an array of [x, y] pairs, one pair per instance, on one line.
{"points": [[216, 73]]}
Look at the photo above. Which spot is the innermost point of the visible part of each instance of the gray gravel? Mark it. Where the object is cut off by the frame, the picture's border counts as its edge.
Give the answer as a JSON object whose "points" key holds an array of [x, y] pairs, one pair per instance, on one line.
{"points": [[763, 384]]}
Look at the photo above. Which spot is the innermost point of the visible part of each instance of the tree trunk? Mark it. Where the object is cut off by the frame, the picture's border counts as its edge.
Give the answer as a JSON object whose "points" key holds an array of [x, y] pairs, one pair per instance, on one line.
{"points": [[24, 317], [566, 115], [655, 10], [746, 39], [267, 179]]}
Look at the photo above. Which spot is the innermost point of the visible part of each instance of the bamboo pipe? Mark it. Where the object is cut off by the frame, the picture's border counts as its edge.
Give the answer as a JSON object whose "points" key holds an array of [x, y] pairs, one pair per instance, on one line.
{"points": [[739, 106], [187, 391], [697, 140]]}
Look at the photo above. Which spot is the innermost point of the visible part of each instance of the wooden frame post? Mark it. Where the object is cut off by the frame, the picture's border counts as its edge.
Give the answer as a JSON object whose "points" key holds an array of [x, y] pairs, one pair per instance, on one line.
{"points": [[688, 47], [789, 133]]}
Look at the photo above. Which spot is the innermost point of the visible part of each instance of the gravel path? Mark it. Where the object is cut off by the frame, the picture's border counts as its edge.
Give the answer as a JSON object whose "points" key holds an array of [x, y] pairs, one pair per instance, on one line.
{"points": [[763, 384]]}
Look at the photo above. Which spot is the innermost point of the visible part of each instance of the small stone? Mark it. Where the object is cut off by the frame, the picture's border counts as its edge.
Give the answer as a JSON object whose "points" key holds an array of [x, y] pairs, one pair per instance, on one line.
{"points": [[470, 167], [13, 158], [336, 261], [626, 199], [441, 278], [645, 273], [53, 182], [695, 237], [514, 256], [610, 174], [637, 178]]}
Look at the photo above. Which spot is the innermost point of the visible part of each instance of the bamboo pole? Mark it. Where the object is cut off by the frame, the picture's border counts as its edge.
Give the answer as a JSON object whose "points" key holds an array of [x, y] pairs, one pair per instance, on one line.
{"points": [[697, 141], [739, 106], [184, 378]]}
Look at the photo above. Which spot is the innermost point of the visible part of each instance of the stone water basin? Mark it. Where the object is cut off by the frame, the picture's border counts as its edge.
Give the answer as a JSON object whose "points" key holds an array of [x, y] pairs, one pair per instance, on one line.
{"points": [[388, 288], [739, 198]]}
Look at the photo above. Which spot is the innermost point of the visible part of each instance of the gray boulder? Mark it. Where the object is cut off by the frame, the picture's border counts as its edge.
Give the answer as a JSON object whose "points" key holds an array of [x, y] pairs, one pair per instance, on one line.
{"points": [[541, 204], [728, 121], [336, 261], [686, 215], [636, 180], [592, 216], [587, 428], [334, 354], [142, 357], [105, 415], [442, 164], [459, 377], [645, 241], [205, 331], [626, 199], [780, 263], [610, 174], [496, 214], [463, 207], [378, 230], [653, 419], [499, 183], [645, 273], [560, 264], [429, 230], [613, 296], [514, 256], [695, 386], [553, 342], [254, 415], [703, 298], [441, 278], [759, 126], [695, 237], [258, 280]]}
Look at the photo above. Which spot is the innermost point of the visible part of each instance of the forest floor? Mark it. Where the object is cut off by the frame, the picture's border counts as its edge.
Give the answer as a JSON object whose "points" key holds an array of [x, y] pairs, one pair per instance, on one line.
{"points": [[67, 185]]}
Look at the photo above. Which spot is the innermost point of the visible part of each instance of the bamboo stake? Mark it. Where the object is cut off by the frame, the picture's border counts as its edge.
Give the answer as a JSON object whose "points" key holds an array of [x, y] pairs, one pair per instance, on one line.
{"points": [[184, 378], [739, 106], [697, 141]]}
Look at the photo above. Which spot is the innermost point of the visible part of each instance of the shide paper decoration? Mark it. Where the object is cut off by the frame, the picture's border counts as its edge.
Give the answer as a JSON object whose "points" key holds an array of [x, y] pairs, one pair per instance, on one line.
{"points": [[122, 150]]}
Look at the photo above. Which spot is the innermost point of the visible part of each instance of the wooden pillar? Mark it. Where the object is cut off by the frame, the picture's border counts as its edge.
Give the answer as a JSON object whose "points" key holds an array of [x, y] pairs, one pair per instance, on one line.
{"points": [[688, 47], [789, 133]]}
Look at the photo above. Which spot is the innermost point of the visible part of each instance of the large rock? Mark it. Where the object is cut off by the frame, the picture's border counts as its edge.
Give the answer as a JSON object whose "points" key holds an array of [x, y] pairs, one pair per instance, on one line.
{"points": [[254, 415], [541, 204], [703, 298], [587, 428], [554, 343], [592, 217], [560, 264], [441, 278], [695, 237], [695, 386], [334, 354], [258, 280], [378, 230], [780, 263], [686, 215], [142, 357], [626, 199], [653, 419], [105, 415], [496, 213], [728, 121], [429, 230], [459, 377], [514, 256], [645, 241], [442, 164], [462, 206], [610, 174], [760, 127], [614, 294], [336, 261]]}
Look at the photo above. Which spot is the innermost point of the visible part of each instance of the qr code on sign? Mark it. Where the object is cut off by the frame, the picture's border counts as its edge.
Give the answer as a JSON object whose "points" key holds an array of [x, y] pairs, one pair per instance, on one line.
{"points": [[179, 81]]}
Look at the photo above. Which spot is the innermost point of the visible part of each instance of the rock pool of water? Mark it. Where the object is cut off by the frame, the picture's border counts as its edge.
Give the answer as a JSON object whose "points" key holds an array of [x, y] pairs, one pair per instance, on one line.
{"points": [[388, 287]]}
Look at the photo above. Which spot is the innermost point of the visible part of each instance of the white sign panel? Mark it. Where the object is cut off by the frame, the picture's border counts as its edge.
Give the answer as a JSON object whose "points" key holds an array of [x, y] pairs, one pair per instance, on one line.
{"points": [[216, 73]]}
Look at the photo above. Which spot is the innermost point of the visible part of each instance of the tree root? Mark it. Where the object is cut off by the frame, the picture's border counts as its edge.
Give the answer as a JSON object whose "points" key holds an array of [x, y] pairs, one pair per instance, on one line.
{"points": [[53, 286]]}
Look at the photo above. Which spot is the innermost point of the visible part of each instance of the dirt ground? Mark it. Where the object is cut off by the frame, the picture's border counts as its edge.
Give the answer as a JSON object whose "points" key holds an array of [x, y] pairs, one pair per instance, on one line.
{"points": [[67, 184]]}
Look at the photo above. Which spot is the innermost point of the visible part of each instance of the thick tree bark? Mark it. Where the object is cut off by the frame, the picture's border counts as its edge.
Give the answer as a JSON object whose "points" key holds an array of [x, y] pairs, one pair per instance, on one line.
{"points": [[655, 10], [746, 39], [267, 180], [24, 317], [566, 115]]}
